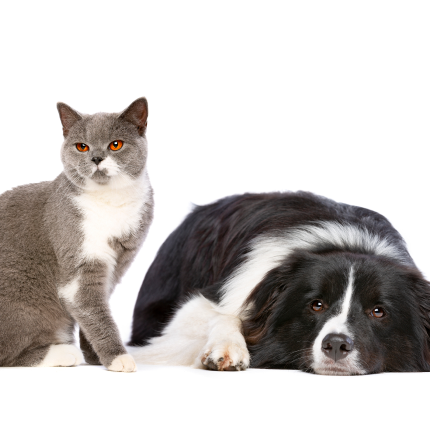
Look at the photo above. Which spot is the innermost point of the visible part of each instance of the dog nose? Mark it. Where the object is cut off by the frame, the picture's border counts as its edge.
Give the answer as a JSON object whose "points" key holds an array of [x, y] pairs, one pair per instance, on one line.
{"points": [[337, 346], [97, 160]]}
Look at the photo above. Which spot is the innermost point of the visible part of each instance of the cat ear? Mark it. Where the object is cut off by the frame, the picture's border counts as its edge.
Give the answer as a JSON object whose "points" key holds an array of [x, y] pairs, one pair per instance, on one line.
{"points": [[137, 114], [68, 117]]}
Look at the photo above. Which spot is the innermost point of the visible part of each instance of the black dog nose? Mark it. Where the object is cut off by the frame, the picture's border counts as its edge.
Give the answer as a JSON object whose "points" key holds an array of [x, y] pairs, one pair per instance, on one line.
{"points": [[337, 346], [97, 160]]}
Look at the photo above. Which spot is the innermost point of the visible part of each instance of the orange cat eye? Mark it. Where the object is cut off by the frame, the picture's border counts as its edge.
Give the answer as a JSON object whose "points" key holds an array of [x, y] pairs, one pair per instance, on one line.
{"points": [[82, 147], [115, 145]]}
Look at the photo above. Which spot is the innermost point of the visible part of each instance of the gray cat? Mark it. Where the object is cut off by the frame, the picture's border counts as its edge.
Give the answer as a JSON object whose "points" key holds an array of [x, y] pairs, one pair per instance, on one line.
{"points": [[65, 244]]}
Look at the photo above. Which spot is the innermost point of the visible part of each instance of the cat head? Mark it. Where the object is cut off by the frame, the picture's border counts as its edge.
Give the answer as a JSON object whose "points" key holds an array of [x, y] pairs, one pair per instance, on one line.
{"points": [[104, 149]]}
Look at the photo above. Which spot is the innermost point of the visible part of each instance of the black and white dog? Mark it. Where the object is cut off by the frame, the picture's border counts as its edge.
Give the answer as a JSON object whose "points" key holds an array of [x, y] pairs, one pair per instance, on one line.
{"points": [[284, 280]]}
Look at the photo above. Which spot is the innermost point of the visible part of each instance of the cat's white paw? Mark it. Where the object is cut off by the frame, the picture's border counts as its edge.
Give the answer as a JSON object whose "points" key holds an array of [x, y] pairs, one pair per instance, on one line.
{"points": [[225, 356], [62, 355], [123, 363]]}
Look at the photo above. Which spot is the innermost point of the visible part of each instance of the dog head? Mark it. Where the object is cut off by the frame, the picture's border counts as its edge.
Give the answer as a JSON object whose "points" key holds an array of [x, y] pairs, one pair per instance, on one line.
{"points": [[340, 313]]}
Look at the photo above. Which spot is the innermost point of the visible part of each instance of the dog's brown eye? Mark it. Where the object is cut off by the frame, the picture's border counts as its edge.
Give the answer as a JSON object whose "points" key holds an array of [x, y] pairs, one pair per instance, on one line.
{"points": [[82, 147], [377, 312], [317, 305], [115, 145]]}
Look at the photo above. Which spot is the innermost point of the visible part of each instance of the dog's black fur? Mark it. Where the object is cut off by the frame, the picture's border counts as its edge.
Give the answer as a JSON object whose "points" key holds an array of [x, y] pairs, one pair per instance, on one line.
{"points": [[280, 325]]}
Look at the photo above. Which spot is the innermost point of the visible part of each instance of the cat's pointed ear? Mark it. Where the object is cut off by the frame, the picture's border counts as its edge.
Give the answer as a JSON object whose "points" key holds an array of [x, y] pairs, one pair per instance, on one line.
{"points": [[68, 117], [137, 114]]}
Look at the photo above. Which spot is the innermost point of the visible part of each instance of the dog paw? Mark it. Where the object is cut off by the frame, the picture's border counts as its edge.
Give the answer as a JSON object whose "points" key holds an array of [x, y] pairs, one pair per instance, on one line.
{"points": [[225, 357], [123, 363]]}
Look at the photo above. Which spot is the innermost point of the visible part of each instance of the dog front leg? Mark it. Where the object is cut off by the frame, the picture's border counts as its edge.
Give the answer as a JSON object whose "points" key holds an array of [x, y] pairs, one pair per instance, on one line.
{"points": [[226, 347]]}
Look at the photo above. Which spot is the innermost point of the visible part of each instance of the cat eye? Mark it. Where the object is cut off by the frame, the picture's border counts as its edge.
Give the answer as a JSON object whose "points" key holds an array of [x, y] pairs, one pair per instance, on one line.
{"points": [[115, 145], [378, 312], [82, 147], [317, 306]]}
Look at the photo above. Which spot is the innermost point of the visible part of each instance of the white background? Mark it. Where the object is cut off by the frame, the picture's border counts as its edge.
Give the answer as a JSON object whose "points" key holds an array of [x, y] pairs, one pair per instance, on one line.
{"points": [[327, 96]]}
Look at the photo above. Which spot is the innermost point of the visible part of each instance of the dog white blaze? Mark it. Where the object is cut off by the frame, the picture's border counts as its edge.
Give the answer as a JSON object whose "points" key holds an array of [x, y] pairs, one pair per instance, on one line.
{"points": [[337, 324]]}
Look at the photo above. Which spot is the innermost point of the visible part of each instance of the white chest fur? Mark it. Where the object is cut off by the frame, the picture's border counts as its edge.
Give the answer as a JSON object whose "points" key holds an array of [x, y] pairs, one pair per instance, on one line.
{"points": [[109, 213]]}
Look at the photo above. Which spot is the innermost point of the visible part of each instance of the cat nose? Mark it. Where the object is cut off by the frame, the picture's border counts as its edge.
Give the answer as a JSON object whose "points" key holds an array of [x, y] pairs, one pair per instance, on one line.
{"points": [[97, 160], [337, 346]]}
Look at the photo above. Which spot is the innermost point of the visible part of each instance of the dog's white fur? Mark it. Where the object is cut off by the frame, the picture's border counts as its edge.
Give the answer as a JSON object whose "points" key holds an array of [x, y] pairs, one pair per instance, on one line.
{"points": [[198, 331]]}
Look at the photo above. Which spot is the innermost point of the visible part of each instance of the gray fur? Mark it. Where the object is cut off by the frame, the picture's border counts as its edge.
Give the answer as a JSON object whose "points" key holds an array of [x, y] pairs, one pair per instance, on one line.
{"points": [[42, 247]]}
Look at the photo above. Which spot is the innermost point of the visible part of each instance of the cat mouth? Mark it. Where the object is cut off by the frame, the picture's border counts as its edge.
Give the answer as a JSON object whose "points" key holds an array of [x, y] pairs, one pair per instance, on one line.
{"points": [[100, 176]]}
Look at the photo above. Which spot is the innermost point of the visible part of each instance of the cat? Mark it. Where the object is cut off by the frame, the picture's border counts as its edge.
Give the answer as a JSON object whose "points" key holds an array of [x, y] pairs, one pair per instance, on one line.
{"points": [[65, 244]]}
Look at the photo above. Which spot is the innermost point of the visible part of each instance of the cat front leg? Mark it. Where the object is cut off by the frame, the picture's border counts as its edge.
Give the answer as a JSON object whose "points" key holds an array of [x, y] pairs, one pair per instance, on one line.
{"points": [[87, 299], [90, 355]]}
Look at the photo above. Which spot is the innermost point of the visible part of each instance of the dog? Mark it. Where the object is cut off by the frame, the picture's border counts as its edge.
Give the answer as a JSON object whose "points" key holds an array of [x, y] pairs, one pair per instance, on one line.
{"points": [[284, 280]]}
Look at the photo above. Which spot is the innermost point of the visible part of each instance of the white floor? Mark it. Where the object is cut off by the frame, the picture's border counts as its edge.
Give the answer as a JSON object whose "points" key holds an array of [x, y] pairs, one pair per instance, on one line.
{"points": [[157, 397]]}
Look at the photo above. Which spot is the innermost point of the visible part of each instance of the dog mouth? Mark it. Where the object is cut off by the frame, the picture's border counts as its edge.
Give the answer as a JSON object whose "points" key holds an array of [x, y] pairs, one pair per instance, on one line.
{"points": [[338, 368], [335, 371]]}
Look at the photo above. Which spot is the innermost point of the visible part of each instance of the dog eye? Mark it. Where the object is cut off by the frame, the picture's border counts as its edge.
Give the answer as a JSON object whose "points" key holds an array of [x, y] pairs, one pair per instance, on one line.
{"points": [[82, 147], [115, 145], [317, 305], [377, 312]]}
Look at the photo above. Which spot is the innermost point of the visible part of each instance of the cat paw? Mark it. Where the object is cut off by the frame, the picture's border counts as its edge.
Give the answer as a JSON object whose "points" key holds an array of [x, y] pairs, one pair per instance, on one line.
{"points": [[123, 363], [228, 356], [62, 355]]}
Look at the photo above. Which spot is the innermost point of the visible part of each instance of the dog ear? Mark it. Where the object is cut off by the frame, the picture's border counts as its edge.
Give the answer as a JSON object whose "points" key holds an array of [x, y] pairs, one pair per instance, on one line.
{"points": [[265, 306], [420, 288], [422, 293], [260, 305]]}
